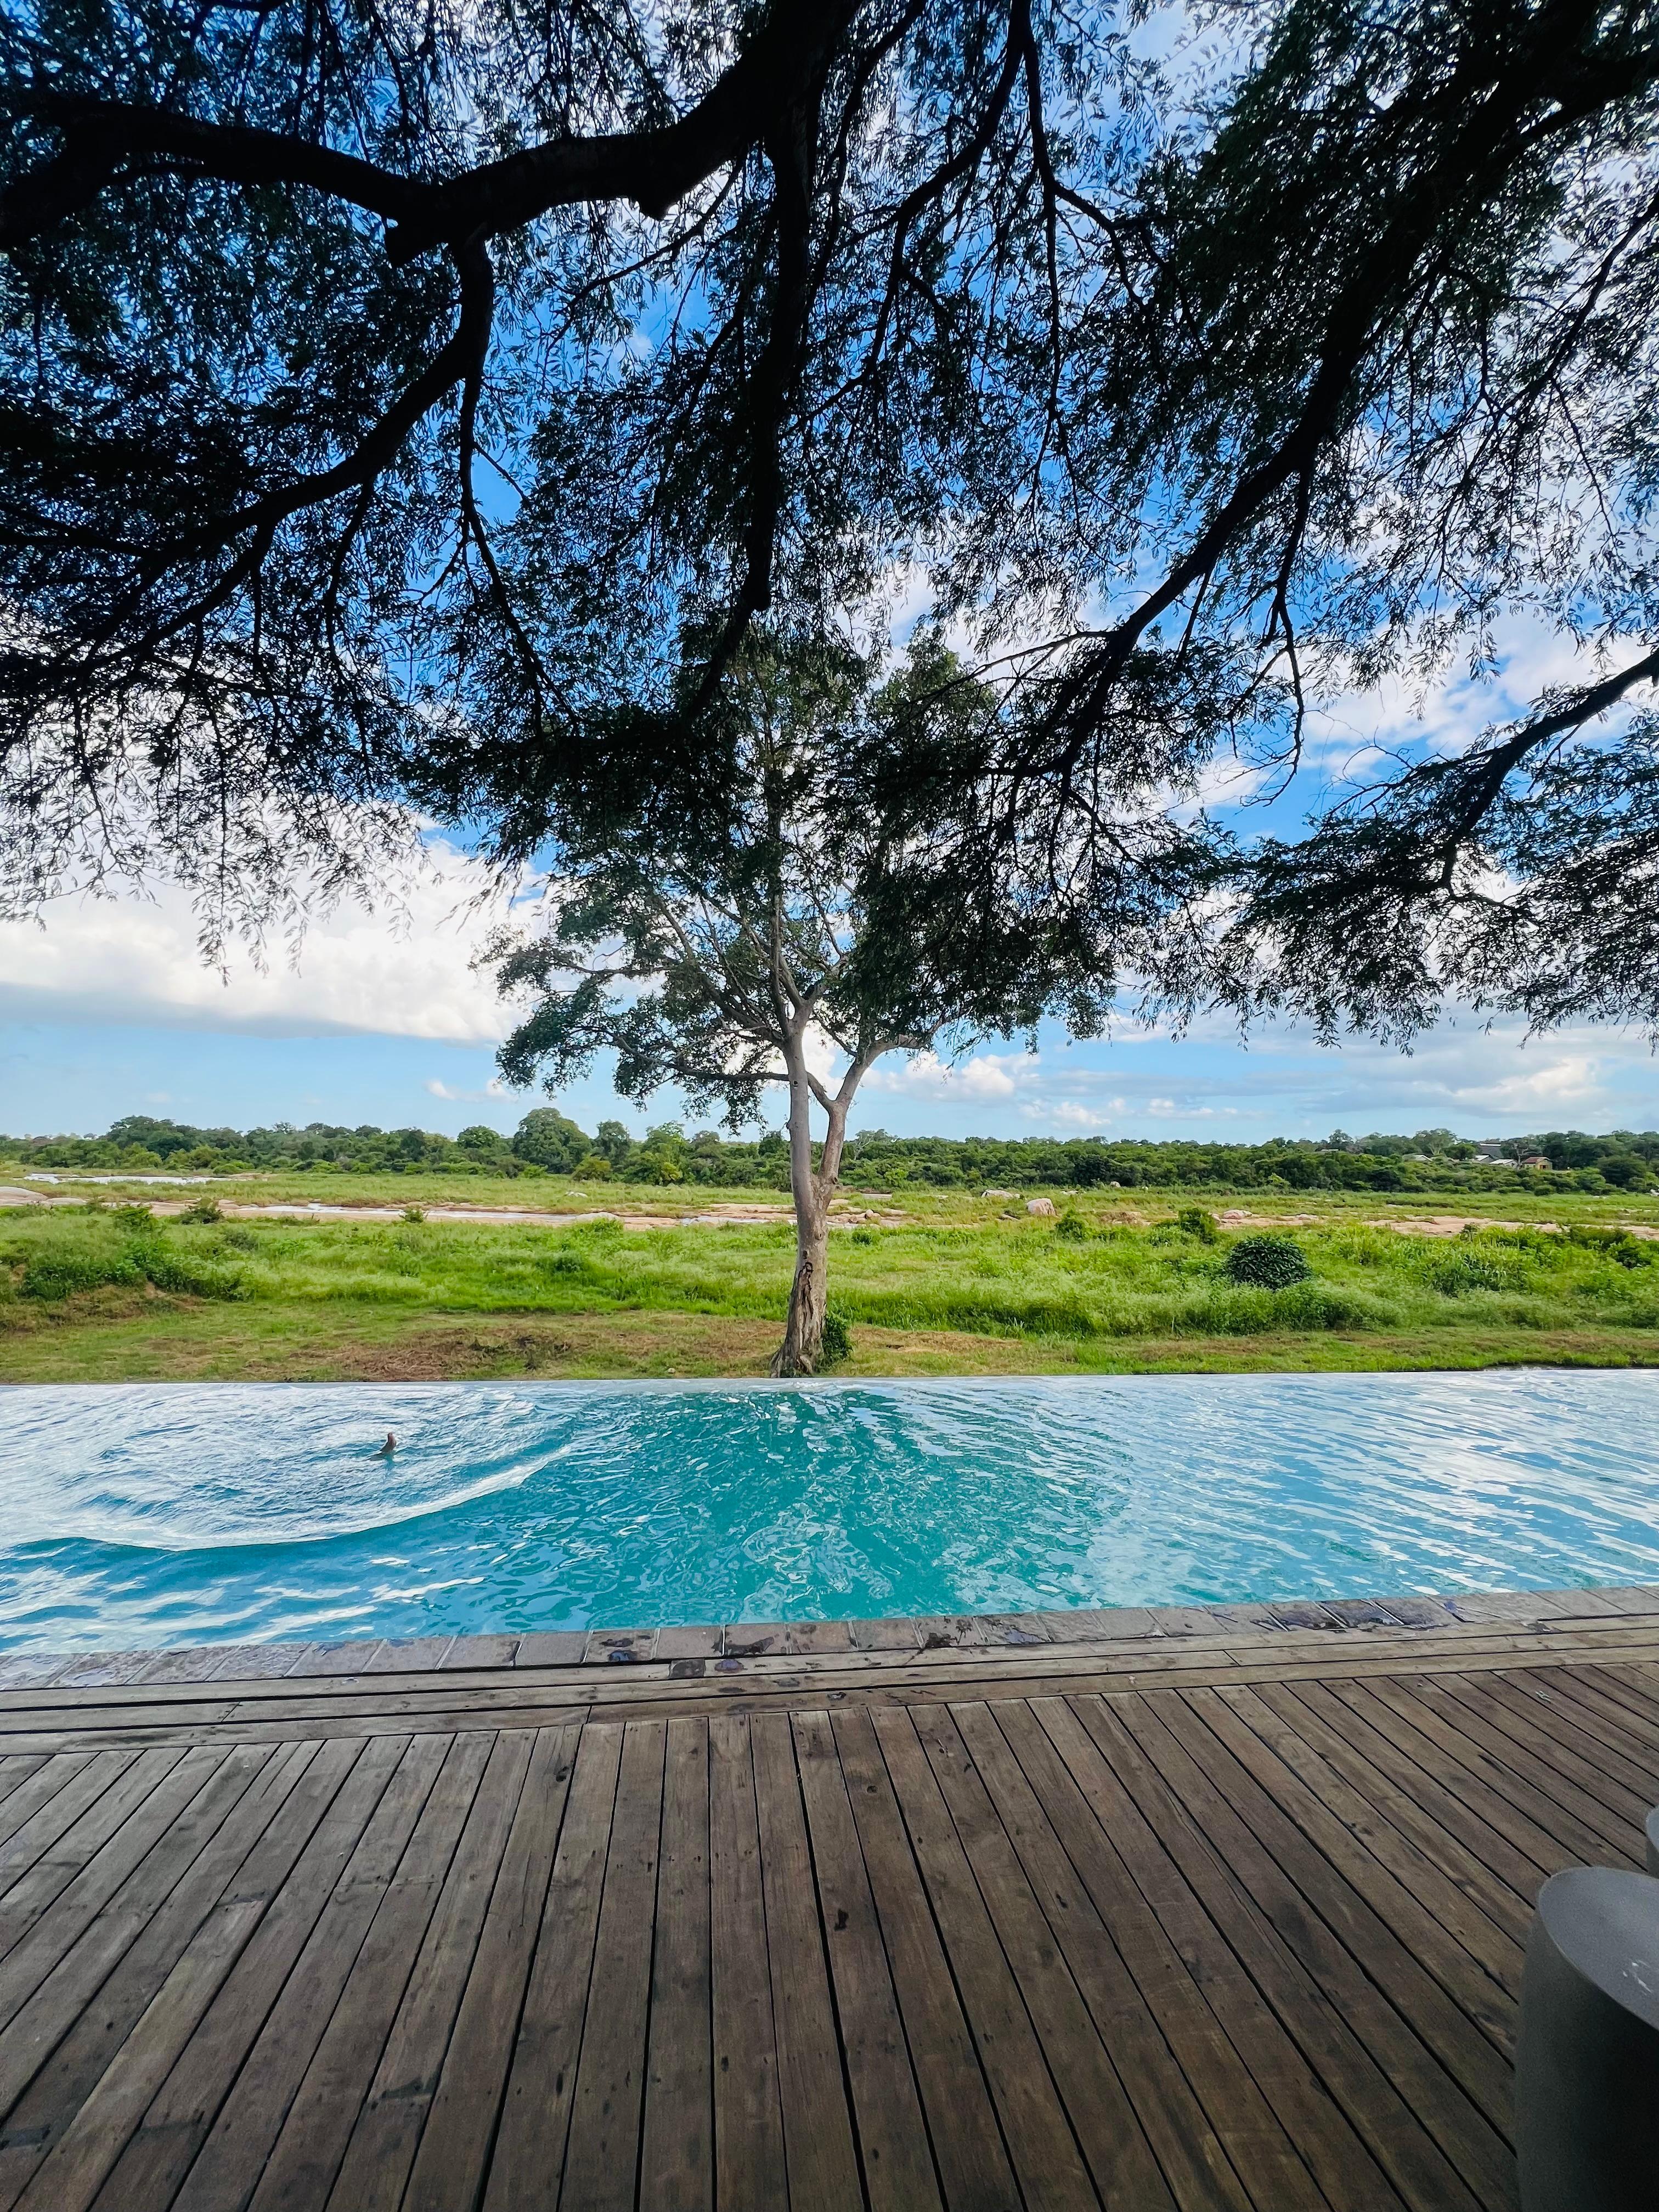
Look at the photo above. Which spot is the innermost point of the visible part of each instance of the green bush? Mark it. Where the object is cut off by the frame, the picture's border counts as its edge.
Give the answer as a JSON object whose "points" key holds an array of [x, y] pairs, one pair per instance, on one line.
{"points": [[1196, 1222], [53, 1275], [836, 1342], [561, 1261], [182, 1272], [59, 1271], [1454, 1272], [1267, 1263], [1615, 1244], [1071, 1226]]}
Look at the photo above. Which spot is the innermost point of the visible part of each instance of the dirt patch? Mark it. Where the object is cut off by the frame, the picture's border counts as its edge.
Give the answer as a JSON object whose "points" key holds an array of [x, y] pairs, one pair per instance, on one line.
{"points": [[445, 1355], [1412, 1224], [1454, 1224], [1238, 1217], [735, 1215]]}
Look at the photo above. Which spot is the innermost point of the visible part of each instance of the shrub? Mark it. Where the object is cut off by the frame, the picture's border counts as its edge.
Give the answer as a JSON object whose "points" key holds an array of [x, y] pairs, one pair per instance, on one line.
{"points": [[604, 1229], [1196, 1222], [202, 1210], [1267, 1263], [59, 1272], [414, 1213], [54, 1275], [1453, 1272], [1071, 1226], [837, 1343], [1615, 1244], [183, 1272], [561, 1261]]}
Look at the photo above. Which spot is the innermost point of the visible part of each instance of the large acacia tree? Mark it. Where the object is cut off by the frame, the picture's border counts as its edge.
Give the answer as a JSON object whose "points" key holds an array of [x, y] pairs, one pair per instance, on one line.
{"points": [[765, 918], [388, 389]]}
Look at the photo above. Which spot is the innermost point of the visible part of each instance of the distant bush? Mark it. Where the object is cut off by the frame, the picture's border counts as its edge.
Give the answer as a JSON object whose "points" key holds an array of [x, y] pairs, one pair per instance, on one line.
{"points": [[1071, 1226], [1455, 1270], [1625, 1171], [562, 1261], [1196, 1222], [604, 1229], [1267, 1263], [201, 1211], [1615, 1244]]}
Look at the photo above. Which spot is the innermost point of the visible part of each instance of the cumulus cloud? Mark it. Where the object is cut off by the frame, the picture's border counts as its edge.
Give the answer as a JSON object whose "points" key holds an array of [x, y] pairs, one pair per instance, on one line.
{"points": [[986, 1076], [1570, 1080], [452, 1097], [1073, 1115], [1481, 1079], [1359, 736], [403, 970]]}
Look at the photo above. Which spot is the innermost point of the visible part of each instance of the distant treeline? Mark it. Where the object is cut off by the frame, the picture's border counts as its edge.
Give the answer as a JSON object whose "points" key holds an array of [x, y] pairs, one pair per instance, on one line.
{"points": [[547, 1142]]}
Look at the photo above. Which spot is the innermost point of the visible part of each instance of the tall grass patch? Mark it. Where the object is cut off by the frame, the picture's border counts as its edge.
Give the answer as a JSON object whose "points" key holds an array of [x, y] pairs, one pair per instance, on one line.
{"points": [[1169, 1279]]}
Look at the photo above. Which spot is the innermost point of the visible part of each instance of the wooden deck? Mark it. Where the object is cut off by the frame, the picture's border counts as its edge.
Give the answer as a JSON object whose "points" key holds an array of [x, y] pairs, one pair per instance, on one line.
{"points": [[1217, 1913]]}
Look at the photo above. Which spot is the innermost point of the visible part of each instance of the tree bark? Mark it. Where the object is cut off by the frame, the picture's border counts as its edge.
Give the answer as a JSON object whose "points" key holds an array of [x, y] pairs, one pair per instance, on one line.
{"points": [[803, 1335]]}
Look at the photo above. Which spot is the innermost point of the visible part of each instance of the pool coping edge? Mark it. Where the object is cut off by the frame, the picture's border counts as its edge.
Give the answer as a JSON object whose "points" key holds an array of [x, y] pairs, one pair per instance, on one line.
{"points": [[695, 1649]]}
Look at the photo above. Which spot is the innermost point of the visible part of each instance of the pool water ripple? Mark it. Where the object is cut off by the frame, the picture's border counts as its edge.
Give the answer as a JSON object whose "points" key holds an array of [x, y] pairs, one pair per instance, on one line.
{"points": [[166, 1514]]}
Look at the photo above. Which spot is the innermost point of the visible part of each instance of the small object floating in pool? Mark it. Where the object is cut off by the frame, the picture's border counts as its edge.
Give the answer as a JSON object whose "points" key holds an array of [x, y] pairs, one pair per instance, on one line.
{"points": [[388, 1447]]}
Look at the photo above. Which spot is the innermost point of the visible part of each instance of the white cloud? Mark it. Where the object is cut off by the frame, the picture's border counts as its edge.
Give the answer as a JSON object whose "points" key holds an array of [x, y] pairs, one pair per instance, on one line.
{"points": [[449, 1093], [1481, 1078], [1569, 1081], [987, 1076], [1360, 735], [1073, 1114], [403, 970]]}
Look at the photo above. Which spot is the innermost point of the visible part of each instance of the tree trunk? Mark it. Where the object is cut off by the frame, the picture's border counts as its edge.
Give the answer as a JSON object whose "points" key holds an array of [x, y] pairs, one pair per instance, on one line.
{"points": [[803, 1335]]}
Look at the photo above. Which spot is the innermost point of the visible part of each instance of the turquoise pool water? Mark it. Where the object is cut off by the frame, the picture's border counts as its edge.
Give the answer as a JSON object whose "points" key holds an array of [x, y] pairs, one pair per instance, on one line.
{"points": [[160, 1514]]}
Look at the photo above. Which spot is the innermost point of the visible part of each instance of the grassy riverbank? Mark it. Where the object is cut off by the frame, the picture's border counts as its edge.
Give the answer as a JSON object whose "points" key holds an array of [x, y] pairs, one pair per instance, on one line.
{"points": [[929, 1282]]}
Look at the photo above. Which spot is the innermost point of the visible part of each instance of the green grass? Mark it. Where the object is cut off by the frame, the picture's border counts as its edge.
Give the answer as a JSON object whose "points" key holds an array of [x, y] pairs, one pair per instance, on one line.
{"points": [[1106, 1285]]}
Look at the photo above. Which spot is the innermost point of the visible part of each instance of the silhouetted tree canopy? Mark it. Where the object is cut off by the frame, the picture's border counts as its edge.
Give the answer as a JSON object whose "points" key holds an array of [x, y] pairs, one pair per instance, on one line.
{"points": [[390, 390]]}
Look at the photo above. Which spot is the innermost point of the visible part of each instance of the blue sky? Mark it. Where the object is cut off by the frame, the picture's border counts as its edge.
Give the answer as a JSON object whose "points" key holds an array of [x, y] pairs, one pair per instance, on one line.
{"points": [[107, 1009]]}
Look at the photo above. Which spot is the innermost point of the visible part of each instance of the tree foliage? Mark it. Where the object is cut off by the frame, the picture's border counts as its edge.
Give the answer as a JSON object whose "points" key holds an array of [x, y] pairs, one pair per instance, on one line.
{"points": [[715, 915], [390, 393], [767, 911]]}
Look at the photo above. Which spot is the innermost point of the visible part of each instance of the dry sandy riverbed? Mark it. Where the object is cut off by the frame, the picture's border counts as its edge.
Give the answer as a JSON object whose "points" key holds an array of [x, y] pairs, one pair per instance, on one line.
{"points": [[847, 1215]]}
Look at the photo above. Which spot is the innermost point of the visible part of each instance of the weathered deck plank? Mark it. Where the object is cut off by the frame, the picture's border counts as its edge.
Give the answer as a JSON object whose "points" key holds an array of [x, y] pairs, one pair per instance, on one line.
{"points": [[1185, 1914]]}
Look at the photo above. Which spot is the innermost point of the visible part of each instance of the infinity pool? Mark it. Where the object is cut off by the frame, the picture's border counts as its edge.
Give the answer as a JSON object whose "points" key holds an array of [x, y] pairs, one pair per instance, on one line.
{"points": [[150, 1514]]}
